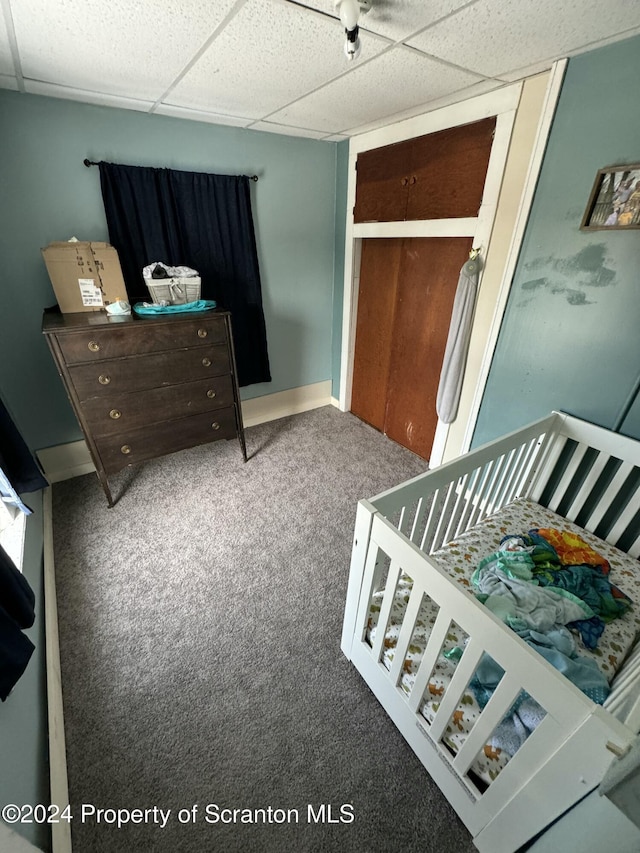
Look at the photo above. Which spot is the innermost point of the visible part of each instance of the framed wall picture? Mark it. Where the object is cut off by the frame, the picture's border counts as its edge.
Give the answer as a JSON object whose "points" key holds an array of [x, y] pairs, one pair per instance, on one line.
{"points": [[614, 202]]}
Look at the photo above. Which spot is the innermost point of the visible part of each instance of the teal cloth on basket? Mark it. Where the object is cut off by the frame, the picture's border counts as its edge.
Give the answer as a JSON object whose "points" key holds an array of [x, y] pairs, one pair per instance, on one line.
{"points": [[198, 305]]}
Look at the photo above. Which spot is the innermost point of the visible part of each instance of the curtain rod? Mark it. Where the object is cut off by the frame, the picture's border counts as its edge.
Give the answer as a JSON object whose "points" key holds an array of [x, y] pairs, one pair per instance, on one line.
{"points": [[88, 163]]}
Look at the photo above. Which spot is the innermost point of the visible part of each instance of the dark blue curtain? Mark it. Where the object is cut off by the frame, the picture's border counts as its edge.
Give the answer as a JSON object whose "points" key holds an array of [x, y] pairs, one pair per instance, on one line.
{"points": [[197, 220], [18, 470], [16, 612]]}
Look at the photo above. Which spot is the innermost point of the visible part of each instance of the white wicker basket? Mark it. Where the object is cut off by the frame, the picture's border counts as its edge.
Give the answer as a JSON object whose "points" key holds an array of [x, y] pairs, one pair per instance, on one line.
{"points": [[175, 291]]}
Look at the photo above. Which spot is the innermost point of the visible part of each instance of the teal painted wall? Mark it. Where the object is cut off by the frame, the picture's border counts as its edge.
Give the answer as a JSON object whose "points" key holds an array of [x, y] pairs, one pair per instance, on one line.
{"points": [[24, 751], [48, 194], [342, 169], [569, 339]]}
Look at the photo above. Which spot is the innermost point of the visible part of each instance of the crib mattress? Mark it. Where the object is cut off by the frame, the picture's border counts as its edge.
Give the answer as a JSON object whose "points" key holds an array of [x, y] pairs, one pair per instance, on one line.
{"points": [[459, 559]]}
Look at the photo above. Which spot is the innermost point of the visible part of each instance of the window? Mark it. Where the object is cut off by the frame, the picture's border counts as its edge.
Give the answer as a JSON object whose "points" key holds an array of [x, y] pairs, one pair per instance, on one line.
{"points": [[12, 530]]}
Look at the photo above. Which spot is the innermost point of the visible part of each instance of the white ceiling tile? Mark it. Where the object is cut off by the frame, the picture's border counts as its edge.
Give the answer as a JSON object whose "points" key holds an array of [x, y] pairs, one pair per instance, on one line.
{"points": [[495, 37], [395, 81], [284, 130], [269, 55], [120, 47], [201, 115], [51, 90], [454, 98], [396, 19]]}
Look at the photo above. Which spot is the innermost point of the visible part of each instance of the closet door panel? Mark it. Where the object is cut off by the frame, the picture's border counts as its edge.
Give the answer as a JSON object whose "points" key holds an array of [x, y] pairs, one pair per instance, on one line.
{"points": [[379, 264], [448, 171], [382, 187], [428, 278]]}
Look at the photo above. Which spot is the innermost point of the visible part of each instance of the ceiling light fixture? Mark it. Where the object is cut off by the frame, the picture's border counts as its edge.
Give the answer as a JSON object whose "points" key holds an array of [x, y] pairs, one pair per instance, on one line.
{"points": [[349, 12]]}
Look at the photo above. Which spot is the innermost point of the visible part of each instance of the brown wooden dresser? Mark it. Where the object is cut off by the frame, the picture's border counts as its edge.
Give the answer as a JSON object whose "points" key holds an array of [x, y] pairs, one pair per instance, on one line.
{"points": [[142, 387]]}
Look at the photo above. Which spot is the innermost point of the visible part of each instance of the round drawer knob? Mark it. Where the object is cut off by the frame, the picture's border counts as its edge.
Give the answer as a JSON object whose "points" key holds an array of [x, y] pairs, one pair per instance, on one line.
{"points": [[206, 362], [103, 379], [115, 414], [211, 393], [125, 449], [94, 346], [215, 425], [202, 333]]}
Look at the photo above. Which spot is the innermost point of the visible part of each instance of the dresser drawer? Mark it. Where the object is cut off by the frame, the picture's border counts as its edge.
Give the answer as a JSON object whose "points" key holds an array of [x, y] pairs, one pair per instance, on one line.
{"points": [[109, 378], [140, 338], [111, 415], [128, 448]]}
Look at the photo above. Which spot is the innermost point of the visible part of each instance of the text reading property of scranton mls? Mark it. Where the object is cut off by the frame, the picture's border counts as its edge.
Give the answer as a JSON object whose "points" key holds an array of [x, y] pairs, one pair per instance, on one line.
{"points": [[211, 813]]}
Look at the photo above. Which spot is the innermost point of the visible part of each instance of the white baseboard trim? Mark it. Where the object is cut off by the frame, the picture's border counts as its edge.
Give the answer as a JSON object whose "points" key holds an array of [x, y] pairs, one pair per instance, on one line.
{"points": [[60, 831], [259, 410], [73, 460], [66, 461]]}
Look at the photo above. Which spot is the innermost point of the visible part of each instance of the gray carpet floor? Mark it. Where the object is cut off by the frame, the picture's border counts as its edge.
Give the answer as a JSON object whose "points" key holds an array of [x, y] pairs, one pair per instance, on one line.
{"points": [[200, 624]]}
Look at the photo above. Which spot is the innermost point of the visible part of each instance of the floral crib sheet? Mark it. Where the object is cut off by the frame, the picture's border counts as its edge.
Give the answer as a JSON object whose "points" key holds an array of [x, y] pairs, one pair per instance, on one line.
{"points": [[459, 559]]}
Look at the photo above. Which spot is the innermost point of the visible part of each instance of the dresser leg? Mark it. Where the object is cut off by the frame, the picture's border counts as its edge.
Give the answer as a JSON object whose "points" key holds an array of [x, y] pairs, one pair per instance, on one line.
{"points": [[243, 446], [106, 488]]}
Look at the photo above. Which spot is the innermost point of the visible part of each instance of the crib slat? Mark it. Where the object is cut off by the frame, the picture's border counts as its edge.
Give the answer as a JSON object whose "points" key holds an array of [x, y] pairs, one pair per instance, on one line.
{"points": [[427, 536], [568, 475], [385, 610], [624, 699], [509, 475], [438, 539], [429, 658], [495, 709], [585, 490], [530, 456], [481, 495], [460, 488], [552, 451], [498, 479], [625, 518], [464, 518], [634, 549], [406, 632], [368, 579], [458, 684], [417, 519], [607, 498]]}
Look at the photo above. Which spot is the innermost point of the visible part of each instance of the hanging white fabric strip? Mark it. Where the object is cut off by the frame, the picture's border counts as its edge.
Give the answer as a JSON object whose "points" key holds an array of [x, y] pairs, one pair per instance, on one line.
{"points": [[455, 355]]}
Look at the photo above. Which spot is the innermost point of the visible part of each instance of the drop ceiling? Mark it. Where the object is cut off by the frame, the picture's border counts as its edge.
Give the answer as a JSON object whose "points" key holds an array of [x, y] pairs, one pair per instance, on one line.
{"points": [[279, 65]]}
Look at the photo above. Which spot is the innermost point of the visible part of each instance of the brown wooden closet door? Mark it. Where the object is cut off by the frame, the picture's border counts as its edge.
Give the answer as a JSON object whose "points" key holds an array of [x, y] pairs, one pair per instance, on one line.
{"points": [[379, 268], [437, 176], [427, 282], [382, 186], [448, 171]]}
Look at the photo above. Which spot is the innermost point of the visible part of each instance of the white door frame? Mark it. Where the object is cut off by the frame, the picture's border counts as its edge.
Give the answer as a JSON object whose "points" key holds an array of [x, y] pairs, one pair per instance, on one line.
{"points": [[503, 104]]}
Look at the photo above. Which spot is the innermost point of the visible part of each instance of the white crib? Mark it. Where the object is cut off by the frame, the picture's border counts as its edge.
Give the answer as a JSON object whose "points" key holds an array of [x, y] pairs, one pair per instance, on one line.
{"points": [[589, 476]]}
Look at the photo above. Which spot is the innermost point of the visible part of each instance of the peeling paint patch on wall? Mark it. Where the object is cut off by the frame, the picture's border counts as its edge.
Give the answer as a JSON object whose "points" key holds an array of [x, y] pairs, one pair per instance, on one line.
{"points": [[571, 276]]}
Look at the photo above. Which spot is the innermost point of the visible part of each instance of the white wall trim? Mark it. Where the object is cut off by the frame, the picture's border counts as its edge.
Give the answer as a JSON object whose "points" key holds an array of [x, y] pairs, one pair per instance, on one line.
{"points": [[66, 461], [554, 87], [502, 103], [482, 235], [462, 227], [473, 109], [61, 831], [73, 460], [259, 410]]}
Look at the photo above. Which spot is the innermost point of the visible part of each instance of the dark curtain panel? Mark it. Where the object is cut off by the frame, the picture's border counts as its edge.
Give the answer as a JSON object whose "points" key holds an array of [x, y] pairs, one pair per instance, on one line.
{"points": [[196, 220], [16, 612], [18, 469]]}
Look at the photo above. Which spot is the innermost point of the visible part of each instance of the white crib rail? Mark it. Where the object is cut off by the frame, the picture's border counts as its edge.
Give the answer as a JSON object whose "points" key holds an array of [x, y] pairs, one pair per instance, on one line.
{"points": [[581, 471], [573, 725]]}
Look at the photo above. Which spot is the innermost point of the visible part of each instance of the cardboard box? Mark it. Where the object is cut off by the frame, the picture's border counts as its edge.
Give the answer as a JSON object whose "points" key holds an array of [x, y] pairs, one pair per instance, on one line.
{"points": [[85, 276]]}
